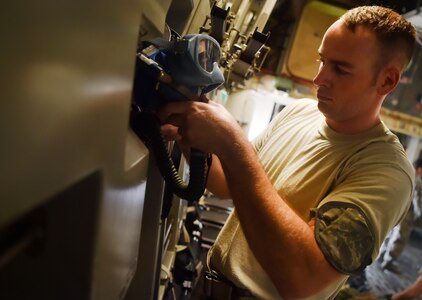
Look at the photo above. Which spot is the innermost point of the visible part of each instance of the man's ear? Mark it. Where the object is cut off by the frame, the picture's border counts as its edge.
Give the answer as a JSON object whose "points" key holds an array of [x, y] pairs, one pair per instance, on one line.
{"points": [[388, 80]]}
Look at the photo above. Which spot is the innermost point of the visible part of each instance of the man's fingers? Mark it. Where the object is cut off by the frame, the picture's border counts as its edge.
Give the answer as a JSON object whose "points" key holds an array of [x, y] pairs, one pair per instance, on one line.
{"points": [[170, 132], [173, 108], [177, 120]]}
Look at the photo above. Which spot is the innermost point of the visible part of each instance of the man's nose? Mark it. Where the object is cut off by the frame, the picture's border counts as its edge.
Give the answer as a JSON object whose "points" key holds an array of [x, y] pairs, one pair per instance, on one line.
{"points": [[321, 78]]}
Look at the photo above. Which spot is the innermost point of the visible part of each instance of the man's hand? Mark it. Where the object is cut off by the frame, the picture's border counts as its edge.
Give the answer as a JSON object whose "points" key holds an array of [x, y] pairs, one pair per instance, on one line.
{"points": [[197, 124], [208, 127]]}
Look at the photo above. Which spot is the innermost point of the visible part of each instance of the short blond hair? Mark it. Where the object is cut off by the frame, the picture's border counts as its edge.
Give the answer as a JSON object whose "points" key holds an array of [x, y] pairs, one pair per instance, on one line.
{"points": [[396, 35]]}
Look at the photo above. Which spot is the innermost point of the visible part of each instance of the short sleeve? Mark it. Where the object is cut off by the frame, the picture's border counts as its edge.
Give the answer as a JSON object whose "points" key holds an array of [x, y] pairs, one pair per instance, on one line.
{"points": [[377, 184], [345, 236]]}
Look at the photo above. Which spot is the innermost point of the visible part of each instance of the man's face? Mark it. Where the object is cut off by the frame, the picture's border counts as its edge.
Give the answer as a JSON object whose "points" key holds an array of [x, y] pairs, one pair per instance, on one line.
{"points": [[346, 82]]}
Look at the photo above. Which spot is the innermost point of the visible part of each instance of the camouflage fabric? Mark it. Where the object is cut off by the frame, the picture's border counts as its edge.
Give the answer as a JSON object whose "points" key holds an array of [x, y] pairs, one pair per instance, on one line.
{"points": [[344, 236]]}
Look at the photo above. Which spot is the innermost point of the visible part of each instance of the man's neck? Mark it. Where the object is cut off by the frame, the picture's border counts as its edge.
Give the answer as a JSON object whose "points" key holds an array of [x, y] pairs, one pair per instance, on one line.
{"points": [[352, 127]]}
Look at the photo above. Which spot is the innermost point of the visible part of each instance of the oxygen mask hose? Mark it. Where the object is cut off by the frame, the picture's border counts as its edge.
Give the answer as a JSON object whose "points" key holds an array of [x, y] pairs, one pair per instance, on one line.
{"points": [[147, 127]]}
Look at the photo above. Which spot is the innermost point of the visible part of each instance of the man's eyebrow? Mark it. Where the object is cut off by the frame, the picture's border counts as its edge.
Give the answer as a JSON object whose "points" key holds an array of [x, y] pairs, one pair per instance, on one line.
{"points": [[341, 63]]}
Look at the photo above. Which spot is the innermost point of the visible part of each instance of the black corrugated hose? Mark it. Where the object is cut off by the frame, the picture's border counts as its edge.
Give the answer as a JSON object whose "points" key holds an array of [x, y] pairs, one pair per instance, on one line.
{"points": [[147, 128]]}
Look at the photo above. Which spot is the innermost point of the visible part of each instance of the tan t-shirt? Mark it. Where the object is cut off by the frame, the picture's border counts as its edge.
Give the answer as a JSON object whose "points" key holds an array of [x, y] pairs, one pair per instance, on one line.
{"points": [[309, 164]]}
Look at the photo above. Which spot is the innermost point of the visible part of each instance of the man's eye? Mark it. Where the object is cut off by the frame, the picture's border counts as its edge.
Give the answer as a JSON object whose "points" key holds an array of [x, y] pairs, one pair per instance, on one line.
{"points": [[340, 71]]}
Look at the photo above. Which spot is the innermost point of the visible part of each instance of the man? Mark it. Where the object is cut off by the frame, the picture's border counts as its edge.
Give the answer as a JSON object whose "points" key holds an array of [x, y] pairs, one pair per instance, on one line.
{"points": [[396, 241], [317, 192]]}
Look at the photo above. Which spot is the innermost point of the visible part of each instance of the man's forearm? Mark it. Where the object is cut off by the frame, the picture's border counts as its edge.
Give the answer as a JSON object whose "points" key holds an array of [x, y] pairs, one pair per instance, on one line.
{"points": [[217, 180]]}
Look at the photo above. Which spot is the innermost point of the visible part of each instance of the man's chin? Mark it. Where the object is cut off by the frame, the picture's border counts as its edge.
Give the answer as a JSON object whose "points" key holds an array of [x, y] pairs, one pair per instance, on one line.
{"points": [[323, 107]]}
